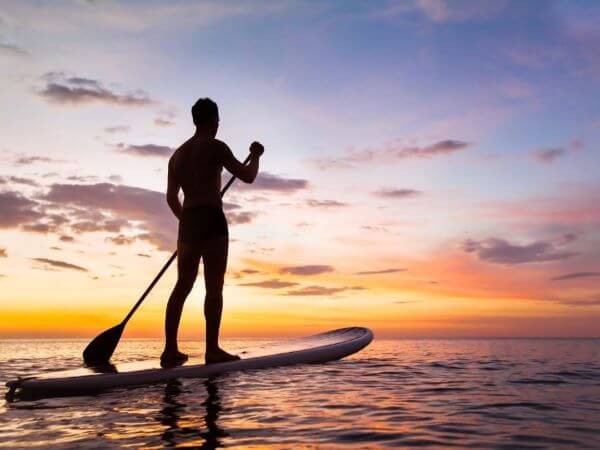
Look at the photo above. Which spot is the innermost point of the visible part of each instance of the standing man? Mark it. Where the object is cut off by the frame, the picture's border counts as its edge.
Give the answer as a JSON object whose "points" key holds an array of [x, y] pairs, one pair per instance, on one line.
{"points": [[196, 168]]}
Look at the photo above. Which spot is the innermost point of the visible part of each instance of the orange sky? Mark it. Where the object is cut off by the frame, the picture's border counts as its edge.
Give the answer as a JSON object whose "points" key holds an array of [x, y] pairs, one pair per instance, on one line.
{"points": [[422, 176]]}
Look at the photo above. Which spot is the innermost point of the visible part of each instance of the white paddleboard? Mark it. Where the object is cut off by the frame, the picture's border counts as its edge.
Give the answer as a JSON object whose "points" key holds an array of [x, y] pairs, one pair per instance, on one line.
{"points": [[319, 348]]}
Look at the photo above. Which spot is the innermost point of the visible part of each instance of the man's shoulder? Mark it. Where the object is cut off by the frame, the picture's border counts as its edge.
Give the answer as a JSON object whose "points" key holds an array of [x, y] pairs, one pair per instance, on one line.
{"points": [[220, 144], [178, 151], [174, 156]]}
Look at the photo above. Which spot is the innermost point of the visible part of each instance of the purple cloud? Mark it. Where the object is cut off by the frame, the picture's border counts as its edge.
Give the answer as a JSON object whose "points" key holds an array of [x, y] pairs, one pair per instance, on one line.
{"points": [[125, 202], [146, 150], [502, 252], [117, 129], [379, 272], [549, 155], [109, 207], [314, 290], [17, 210], [396, 193], [592, 301], [444, 147], [325, 203], [18, 180], [38, 227], [110, 225], [27, 160], [575, 275], [121, 239], [393, 152], [162, 122], [60, 264], [311, 269], [64, 90], [271, 284]]}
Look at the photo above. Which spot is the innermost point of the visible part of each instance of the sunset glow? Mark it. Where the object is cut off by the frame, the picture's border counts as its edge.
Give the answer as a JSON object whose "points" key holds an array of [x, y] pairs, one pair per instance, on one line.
{"points": [[424, 175]]}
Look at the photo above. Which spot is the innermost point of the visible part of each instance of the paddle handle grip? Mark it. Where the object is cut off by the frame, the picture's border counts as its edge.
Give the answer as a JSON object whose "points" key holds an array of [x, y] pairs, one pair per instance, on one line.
{"points": [[172, 258]]}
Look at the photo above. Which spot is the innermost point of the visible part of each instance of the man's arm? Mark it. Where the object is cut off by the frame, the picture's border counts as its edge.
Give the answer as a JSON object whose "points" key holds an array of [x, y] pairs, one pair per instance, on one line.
{"points": [[173, 192], [246, 173]]}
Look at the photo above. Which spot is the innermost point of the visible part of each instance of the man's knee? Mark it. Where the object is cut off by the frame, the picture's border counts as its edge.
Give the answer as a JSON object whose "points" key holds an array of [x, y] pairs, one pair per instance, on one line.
{"points": [[214, 296], [186, 282]]}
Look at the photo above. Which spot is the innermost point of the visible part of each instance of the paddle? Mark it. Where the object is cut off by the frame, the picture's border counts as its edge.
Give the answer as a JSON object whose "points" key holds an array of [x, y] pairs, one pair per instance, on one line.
{"points": [[101, 348]]}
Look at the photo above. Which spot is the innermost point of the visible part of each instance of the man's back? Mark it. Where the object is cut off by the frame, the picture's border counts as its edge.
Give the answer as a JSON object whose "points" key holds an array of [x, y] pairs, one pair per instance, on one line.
{"points": [[197, 166]]}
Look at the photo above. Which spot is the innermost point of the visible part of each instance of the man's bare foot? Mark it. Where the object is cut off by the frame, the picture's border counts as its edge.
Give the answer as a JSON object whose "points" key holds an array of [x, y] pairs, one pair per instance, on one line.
{"points": [[219, 356], [172, 359]]}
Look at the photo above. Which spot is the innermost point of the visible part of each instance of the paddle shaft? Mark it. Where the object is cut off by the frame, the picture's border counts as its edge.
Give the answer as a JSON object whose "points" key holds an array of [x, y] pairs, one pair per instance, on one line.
{"points": [[173, 256]]}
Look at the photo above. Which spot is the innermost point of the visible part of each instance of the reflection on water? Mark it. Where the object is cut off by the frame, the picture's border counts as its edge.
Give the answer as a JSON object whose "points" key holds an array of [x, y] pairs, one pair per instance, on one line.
{"points": [[207, 434], [422, 393]]}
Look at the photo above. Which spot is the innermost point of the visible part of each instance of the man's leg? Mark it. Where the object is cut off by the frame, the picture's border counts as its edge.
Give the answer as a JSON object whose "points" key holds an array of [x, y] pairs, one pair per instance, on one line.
{"points": [[215, 265], [188, 259]]}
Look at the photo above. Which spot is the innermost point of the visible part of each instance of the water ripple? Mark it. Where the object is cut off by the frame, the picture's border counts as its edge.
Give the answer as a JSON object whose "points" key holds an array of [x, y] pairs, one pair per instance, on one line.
{"points": [[503, 394]]}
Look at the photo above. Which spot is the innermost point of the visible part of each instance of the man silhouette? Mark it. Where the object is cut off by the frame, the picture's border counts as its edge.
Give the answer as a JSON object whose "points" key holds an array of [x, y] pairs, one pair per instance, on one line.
{"points": [[196, 168]]}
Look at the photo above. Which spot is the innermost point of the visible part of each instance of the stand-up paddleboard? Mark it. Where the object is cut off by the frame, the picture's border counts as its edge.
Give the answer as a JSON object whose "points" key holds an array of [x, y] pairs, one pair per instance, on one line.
{"points": [[319, 348]]}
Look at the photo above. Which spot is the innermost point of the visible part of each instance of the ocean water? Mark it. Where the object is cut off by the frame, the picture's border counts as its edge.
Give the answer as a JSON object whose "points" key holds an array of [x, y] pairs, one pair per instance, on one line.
{"points": [[504, 393]]}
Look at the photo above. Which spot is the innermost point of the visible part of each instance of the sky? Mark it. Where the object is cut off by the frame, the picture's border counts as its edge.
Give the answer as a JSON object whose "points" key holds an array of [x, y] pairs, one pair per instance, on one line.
{"points": [[431, 166]]}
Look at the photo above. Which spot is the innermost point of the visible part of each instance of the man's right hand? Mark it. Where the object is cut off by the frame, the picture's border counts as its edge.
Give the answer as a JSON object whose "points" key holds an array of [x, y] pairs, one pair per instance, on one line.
{"points": [[256, 149]]}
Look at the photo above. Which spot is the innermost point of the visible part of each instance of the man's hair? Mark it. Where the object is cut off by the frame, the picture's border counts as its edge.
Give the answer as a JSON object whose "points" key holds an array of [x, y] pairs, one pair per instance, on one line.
{"points": [[204, 111]]}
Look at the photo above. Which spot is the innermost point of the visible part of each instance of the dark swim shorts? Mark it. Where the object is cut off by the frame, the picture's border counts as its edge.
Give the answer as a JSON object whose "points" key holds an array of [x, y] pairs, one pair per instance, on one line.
{"points": [[199, 223]]}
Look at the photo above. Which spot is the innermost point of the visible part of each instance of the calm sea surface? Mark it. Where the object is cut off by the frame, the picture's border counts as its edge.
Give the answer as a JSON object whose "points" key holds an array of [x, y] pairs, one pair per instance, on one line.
{"points": [[408, 393]]}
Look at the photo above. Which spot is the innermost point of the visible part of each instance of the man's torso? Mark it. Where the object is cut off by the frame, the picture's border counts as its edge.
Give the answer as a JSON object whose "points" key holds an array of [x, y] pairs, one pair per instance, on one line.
{"points": [[197, 166]]}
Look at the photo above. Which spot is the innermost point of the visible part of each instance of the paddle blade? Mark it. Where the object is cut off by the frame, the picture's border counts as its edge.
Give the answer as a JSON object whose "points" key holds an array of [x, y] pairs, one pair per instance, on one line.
{"points": [[101, 348]]}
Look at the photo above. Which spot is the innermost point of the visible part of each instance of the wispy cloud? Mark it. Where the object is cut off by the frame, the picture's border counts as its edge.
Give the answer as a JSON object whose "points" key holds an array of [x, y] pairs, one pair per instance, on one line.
{"points": [[379, 272], [60, 264], [72, 90], [104, 223], [549, 155], [575, 275], [40, 227], [163, 122], [311, 269], [325, 203], [315, 290], [590, 301], [26, 160], [503, 252], [392, 152], [18, 180], [396, 193], [117, 129], [146, 150], [12, 49], [266, 181], [271, 284], [121, 239], [81, 178]]}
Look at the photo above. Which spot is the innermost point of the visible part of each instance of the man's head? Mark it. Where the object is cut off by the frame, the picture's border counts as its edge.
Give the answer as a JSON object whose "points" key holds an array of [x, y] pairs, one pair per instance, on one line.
{"points": [[206, 115]]}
